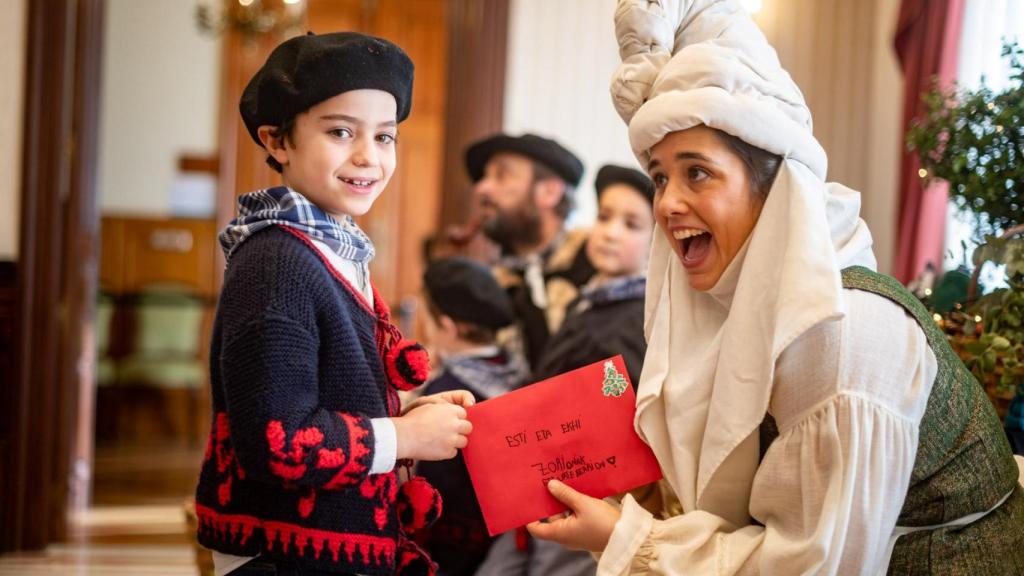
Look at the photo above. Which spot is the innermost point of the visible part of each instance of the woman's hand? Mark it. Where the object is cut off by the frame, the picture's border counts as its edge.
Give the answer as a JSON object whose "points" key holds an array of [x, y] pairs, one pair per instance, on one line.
{"points": [[588, 525], [462, 398]]}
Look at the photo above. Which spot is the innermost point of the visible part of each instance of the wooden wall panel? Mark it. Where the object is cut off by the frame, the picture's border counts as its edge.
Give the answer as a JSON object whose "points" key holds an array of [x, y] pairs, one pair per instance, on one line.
{"points": [[478, 36], [139, 253]]}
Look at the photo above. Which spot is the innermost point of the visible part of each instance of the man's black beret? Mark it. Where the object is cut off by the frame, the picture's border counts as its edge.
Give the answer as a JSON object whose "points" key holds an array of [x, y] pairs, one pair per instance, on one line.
{"points": [[610, 174], [547, 152], [466, 291], [306, 70]]}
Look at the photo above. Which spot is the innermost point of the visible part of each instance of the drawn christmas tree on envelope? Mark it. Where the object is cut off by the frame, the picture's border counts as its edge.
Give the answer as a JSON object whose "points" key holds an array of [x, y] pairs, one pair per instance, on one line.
{"points": [[576, 427]]}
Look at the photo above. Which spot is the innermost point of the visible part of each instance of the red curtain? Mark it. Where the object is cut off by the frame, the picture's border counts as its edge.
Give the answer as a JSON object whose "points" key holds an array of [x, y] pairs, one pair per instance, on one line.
{"points": [[927, 41]]}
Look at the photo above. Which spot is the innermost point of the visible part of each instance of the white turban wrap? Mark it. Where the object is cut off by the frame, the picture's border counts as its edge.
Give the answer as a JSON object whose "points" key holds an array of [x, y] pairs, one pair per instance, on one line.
{"points": [[711, 355]]}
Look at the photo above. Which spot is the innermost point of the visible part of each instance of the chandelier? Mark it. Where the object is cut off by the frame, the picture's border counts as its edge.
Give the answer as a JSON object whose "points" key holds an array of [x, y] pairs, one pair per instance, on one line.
{"points": [[251, 17]]}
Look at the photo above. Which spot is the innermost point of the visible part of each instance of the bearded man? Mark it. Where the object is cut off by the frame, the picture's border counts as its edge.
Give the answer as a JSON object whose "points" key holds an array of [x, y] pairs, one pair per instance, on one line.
{"points": [[524, 188]]}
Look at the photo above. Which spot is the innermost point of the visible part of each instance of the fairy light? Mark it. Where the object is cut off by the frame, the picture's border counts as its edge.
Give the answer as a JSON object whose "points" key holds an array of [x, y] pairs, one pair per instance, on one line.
{"points": [[922, 173], [927, 291], [991, 106], [977, 318], [752, 6], [999, 128]]}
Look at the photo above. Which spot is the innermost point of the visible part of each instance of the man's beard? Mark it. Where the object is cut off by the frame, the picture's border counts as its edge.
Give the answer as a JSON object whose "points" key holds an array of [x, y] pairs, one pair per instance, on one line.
{"points": [[511, 229]]}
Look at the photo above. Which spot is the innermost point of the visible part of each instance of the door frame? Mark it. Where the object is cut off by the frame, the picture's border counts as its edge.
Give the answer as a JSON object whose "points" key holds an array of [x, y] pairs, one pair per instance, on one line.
{"points": [[47, 431]]}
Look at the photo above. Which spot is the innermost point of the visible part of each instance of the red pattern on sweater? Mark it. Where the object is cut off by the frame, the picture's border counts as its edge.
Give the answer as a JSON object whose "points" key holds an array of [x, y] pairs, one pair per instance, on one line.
{"points": [[357, 451], [374, 550], [292, 452], [383, 488], [227, 463]]}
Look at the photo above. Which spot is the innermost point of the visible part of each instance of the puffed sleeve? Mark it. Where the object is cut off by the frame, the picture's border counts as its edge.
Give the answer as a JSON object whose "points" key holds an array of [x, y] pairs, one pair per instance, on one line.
{"points": [[848, 398]]}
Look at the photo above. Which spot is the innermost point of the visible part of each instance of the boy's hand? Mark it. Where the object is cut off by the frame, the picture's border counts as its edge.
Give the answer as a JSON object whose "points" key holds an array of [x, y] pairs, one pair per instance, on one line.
{"points": [[432, 431], [462, 398], [587, 525]]}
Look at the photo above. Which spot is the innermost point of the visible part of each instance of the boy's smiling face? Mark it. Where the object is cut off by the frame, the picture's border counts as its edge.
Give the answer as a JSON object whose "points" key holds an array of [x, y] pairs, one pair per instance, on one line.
{"points": [[341, 153]]}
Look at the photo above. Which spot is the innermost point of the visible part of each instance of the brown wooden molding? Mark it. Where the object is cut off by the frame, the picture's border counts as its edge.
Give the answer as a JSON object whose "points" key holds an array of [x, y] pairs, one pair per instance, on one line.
{"points": [[203, 164], [80, 268], [56, 268], [478, 39]]}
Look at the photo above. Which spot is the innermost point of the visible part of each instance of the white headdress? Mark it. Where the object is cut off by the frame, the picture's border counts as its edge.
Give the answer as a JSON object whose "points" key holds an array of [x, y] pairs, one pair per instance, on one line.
{"points": [[711, 355]]}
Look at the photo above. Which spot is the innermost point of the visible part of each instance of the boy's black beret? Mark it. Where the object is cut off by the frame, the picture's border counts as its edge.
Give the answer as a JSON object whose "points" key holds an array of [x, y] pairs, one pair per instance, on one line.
{"points": [[547, 152], [466, 291], [611, 174], [306, 70]]}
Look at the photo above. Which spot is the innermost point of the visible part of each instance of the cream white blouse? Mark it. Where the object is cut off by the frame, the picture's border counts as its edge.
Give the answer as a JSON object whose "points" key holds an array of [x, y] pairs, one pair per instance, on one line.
{"points": [[848, 398]]}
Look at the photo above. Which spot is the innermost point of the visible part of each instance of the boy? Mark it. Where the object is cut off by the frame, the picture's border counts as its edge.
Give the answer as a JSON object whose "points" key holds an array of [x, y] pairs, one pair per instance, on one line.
{"points": [[608, 316], [299, 474], [467, 307]]}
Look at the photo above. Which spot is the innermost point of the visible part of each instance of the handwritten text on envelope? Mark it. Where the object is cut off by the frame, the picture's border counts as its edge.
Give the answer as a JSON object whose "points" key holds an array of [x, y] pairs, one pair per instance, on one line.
{"points": [[576, 427]]}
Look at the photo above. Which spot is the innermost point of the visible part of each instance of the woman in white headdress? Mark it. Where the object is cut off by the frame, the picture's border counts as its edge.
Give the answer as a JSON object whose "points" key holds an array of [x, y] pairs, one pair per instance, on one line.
{"points": [[806, 412]]}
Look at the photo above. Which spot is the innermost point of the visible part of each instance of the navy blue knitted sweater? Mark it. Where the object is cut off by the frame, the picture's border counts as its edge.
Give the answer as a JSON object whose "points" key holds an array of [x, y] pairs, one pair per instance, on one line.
{"points": [[296, 374]]}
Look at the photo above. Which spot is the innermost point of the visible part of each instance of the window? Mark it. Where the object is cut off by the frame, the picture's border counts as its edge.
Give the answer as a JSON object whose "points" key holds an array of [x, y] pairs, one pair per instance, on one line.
{"points": [[986, 23]]}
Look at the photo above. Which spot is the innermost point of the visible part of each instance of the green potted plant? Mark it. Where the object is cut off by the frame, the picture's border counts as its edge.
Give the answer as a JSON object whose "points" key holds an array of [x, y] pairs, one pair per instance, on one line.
{"points": [[974, 140]]}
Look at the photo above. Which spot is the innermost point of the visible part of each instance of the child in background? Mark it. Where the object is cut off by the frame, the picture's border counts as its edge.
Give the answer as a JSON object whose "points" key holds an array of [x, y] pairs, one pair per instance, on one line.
{"points": [[466, 308], [299, 474], [608, 316]]}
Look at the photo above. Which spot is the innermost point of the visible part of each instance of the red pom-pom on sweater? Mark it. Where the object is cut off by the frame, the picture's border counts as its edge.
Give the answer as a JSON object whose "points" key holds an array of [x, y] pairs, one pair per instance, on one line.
{"points": [[418, 505], [408, 365]]}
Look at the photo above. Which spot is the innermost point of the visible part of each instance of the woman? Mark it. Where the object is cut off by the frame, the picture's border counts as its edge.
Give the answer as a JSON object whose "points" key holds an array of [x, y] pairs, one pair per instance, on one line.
{"points": [[805, 411]]}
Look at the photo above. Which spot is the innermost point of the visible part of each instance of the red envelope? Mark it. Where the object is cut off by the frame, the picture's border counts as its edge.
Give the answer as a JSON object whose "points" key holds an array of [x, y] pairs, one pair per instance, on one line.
{"points": [[576, 427]]}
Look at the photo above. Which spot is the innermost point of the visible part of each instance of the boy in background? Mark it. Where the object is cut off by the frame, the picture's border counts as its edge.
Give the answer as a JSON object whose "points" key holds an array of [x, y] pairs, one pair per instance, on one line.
{"points": [[466, 308]]}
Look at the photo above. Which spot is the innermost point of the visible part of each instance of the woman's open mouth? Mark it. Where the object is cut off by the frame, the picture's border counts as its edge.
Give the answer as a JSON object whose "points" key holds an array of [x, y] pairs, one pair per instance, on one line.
{"points": [[695, 244]]}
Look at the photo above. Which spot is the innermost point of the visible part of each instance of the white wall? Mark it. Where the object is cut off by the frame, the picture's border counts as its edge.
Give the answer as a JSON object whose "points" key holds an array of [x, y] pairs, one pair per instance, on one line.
{"points": [[562, 55], [161, 81], [12, 70]]}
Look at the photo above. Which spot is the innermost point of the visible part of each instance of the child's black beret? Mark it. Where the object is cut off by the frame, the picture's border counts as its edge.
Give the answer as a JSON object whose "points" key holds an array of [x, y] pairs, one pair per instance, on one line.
{"points": [[306, 70], [466, 291], [547, 152], [611, 174]]}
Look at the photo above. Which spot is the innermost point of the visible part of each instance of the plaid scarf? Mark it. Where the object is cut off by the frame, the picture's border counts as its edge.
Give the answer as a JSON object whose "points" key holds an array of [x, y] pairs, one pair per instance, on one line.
{"points": [[615, 290], [488, 372], [283, 206], [594, 294]]}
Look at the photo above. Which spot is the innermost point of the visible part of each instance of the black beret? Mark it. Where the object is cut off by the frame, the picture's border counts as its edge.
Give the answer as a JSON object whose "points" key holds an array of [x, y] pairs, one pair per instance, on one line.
{"points": [[547, 152], [306, 70], [610, 174], [466, 291]]}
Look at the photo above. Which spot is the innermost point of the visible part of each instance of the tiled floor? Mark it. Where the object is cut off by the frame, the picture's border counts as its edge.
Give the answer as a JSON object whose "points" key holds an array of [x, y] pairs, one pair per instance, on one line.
{"points": [[115, 559], [137, 525]]}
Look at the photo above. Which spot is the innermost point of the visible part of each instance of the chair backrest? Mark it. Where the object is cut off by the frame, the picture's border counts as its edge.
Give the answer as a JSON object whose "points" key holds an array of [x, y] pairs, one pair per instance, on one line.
{"points": [[167, 321]]}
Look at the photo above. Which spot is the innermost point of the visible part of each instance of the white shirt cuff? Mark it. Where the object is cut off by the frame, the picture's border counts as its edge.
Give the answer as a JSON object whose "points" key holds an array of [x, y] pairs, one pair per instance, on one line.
{"points": [[385, 449], [632, 529]]}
